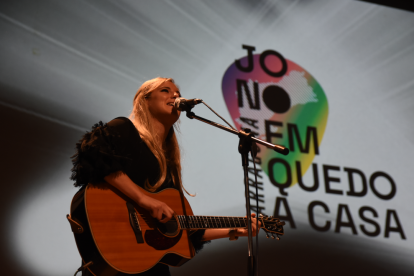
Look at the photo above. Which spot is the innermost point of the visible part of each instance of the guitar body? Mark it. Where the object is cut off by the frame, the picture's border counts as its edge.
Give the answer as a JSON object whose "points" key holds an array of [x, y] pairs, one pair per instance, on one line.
{"points": [[110, 241]]}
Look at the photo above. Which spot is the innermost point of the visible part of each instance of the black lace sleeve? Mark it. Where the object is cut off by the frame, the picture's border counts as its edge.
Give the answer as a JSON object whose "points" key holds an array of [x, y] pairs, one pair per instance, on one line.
{"points": [[196, 240], [100, 152]]}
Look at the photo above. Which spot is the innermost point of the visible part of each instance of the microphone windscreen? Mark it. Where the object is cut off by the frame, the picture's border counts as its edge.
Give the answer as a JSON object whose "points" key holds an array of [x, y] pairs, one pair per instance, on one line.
{"points": [[177, 102]]}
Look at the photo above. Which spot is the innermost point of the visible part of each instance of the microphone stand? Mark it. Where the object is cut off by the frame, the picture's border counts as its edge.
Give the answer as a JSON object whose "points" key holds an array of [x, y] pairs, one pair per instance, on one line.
{"points": [[246, 144]]}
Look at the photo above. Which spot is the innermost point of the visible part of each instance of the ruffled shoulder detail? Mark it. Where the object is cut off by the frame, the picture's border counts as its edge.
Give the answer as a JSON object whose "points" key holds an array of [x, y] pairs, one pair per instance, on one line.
{"points": [[99, 153]]}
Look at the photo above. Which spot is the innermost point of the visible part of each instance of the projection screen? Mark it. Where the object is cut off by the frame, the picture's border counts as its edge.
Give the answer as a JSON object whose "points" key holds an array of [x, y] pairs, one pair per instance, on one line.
{"points": [[330, 80]]}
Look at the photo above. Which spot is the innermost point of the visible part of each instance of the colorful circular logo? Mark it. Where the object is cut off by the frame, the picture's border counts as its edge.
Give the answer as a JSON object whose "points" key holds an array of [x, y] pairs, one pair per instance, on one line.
{"points": [[282, 103]]}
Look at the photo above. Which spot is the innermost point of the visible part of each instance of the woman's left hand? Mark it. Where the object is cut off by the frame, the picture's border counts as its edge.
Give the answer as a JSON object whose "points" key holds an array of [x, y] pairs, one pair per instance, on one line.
{"points": [[244, 232]]}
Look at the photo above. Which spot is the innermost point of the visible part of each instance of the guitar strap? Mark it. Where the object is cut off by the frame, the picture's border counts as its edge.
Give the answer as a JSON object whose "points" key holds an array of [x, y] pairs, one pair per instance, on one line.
{"points": [[189, 232], [183, 203], [185, 211]]}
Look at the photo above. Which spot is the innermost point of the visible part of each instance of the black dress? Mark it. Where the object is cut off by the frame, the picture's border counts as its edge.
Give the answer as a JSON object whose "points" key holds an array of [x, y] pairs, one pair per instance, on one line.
{"points": [[117, 146]]}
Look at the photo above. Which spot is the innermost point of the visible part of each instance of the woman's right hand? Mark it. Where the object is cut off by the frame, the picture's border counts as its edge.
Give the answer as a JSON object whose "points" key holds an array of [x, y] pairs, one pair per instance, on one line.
{"points": [[156, 208]]}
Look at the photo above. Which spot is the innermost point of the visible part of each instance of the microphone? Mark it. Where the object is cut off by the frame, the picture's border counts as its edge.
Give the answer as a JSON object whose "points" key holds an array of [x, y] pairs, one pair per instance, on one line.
{"points": [[183, 104]]}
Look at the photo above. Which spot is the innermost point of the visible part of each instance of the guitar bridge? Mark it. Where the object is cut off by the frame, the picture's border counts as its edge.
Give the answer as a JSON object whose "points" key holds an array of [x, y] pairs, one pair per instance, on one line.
{"points": [[133, 220]]}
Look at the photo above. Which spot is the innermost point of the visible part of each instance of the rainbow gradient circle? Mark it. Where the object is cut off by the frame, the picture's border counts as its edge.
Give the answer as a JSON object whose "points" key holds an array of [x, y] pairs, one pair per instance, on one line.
{"points": [[309, 109]]}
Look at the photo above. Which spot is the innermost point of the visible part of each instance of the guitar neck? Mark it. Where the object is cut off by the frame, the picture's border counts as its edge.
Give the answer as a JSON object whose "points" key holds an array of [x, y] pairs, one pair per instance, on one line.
{"points": [[207, 222]]}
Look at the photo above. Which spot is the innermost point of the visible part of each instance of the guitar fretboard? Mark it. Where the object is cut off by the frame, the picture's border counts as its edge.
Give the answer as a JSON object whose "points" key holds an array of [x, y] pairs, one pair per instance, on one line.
{"points": [[206, 222]]}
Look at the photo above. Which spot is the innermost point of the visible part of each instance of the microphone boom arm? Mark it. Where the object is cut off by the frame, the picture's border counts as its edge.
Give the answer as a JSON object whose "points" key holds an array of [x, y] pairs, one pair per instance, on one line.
{"points": [[280, 149]]}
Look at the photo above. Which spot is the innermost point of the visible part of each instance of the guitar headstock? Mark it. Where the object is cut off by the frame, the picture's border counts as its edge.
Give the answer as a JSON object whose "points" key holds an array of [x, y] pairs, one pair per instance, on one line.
{"points": [[272, 225]]}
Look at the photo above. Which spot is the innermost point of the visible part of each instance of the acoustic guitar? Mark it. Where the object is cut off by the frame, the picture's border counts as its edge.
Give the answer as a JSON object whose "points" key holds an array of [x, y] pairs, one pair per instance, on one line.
{"points": [[115, 235]]}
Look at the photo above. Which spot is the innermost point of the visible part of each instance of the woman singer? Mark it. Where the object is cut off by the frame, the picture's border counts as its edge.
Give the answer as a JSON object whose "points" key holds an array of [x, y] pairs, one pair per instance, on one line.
{"points": [[142, 151]]}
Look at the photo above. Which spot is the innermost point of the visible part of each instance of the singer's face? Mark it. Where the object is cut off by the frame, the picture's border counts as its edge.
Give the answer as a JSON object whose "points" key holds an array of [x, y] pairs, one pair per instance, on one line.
{"points": [[161, 103]]}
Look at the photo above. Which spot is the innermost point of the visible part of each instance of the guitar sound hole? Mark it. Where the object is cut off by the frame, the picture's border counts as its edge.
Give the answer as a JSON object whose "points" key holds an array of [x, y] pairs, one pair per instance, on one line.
{"points": [[169, 229], [165, 236], [160, 242]]}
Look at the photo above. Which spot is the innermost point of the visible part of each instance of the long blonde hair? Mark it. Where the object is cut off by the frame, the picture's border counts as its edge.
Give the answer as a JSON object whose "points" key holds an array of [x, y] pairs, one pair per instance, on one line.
{"points": [[170, 157]]}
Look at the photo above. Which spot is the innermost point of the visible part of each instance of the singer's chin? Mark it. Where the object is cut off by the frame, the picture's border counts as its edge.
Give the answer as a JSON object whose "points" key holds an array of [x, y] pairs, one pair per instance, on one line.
{"points": [[175, 115]]}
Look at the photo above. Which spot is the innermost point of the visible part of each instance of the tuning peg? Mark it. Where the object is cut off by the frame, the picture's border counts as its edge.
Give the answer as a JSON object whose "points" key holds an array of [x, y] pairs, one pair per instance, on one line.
{"points": [[277, 237], [267, 235], [273, 237]]}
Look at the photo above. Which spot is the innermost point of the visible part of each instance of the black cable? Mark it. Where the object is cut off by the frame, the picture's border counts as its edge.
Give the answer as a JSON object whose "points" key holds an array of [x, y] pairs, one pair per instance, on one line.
{"points": [[218, 115], [82, 268], [256, 265], [79, 270]]}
